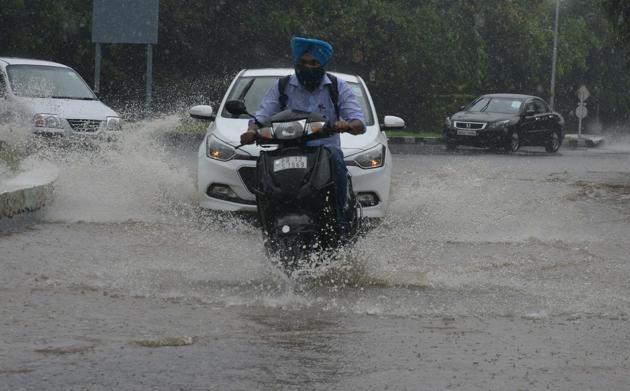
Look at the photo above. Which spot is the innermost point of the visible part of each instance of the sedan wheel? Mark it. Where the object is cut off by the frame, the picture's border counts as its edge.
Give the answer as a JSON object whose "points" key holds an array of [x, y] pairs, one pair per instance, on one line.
{"points": [[553, 144], [514, 142]]}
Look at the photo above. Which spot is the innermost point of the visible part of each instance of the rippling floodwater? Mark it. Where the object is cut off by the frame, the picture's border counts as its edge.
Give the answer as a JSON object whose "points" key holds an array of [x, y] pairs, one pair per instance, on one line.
{"points": [[469, 235], [473, 235]]}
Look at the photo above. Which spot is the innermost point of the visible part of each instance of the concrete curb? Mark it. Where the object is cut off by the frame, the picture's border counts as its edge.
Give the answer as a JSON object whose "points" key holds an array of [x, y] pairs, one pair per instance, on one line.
{"points": [[584, 140], [417, 149], [29, 190]]}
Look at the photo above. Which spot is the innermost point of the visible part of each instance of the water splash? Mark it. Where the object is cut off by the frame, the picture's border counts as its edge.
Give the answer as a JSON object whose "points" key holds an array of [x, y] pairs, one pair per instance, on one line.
{"points": [[132, 178]]}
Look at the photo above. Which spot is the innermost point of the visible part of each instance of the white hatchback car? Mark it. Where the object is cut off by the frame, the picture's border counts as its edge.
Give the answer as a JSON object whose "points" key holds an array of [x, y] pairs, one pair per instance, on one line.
{"points": [[52, 99], [226, 175]]}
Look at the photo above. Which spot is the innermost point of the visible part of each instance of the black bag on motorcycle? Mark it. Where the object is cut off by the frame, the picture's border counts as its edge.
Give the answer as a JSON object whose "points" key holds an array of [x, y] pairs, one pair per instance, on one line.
{"points": [[288, 186]]}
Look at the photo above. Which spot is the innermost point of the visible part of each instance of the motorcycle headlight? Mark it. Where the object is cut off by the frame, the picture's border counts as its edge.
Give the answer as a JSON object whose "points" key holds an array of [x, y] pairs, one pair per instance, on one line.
{"points": [[372, 158], [113, 123], [499, 124], [217, 149], [47, 121], [289, 130]]}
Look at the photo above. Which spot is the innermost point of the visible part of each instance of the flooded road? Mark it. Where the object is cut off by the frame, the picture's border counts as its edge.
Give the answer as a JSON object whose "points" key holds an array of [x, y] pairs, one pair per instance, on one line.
{"points": [[491, 271]]}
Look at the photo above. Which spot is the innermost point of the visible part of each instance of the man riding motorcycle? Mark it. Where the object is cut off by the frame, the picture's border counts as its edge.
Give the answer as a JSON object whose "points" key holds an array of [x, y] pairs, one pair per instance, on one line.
{"points": [[310, 89]]}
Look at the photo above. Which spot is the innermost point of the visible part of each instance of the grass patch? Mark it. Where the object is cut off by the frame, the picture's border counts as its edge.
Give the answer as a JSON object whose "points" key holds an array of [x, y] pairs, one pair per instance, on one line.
{"points": [[410, 133], [192, 127]]}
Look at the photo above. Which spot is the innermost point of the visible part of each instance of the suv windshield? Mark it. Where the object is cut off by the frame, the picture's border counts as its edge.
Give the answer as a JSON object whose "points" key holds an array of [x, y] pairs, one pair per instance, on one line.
{"points": [[497, 105], [37, 81], [252, 90]]}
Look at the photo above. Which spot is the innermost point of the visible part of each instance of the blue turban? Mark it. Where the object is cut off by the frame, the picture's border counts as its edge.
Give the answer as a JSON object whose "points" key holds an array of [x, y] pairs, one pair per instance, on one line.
{"points": [[321, 50]]}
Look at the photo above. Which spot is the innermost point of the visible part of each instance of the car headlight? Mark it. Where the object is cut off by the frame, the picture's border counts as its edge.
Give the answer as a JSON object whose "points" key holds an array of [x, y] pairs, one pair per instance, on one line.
{"points": [[47, 121], [447, 122], [499, 124], [217, 149], [113, 123], [372, 158]]}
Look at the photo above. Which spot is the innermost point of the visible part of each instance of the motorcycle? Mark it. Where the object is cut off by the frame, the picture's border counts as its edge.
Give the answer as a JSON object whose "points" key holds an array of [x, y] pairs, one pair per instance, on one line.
{"points": [[296, 192]]}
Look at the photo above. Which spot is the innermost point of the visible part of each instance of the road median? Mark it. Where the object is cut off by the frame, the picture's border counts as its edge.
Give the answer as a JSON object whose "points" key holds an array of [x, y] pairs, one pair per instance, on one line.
{"points": [[28, 189]]}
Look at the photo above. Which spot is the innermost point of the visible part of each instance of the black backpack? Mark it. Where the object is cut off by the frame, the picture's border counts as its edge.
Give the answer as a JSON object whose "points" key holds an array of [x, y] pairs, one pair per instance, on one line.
{"points": [[332, 88]]}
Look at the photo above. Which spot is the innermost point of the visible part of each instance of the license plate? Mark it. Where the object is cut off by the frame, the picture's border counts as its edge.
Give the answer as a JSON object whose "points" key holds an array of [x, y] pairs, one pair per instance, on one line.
{"points": [[466, 132], [286, 163]]}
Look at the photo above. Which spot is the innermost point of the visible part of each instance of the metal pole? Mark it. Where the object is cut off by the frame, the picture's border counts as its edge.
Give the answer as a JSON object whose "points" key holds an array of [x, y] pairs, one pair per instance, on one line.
{"points": [[579, 127], [97, 68], [147, 107], [554, 56]]}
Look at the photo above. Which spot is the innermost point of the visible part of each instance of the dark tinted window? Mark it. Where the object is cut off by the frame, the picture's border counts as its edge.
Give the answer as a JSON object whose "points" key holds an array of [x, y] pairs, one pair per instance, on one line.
{"points": [[530, 107], [541, 107], [497, 105]]}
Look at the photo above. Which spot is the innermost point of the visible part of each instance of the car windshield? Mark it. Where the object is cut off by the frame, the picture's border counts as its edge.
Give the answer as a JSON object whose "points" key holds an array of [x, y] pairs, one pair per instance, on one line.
{"points": [[252, 90], [37, 81], [497, 105]]}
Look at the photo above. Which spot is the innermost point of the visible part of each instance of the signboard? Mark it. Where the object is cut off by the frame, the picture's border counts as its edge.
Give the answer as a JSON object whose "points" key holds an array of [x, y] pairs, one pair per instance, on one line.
{"points": [[125, 21], [581, 112], [583, 93]]}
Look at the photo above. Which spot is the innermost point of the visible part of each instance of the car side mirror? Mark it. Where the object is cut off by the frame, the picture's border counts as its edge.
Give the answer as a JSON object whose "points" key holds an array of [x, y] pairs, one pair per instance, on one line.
{"points": [[530, 113], [462, 108], [202, 112], [393, 122], [237, 108]]}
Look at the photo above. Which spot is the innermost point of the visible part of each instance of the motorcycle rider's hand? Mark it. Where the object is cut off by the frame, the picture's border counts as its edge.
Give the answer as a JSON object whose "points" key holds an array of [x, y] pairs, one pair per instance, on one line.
{"points": [[249, 137], [342, 126]]}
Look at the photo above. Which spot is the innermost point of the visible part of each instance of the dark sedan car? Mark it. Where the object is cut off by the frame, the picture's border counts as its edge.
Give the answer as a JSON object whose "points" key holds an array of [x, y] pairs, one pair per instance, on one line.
{"points": [[505, 121]]}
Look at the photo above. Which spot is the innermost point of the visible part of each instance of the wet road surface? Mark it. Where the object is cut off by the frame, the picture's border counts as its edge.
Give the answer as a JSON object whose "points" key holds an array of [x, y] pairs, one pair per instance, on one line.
{"points": [[491, 271]]}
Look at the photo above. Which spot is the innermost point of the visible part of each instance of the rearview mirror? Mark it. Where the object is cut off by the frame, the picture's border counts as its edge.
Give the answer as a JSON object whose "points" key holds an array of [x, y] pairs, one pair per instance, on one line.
{"points": [[236, 108], [202, 112]]}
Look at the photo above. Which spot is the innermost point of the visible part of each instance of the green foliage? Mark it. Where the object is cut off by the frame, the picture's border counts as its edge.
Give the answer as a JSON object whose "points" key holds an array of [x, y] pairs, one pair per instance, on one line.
{"points": [[421, 60], [618, 12]]}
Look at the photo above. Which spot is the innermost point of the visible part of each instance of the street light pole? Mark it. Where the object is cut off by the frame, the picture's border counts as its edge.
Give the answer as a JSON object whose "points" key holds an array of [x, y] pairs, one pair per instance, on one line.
{"points": [[554, 56]]}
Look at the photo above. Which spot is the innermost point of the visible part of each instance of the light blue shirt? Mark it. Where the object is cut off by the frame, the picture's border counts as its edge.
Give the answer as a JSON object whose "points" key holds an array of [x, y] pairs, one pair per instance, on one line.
{"points": [[299, 98]]}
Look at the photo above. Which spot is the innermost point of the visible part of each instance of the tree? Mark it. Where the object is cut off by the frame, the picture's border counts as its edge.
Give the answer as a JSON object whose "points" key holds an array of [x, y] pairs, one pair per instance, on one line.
{"points": [[421, 59], [618, 12]]}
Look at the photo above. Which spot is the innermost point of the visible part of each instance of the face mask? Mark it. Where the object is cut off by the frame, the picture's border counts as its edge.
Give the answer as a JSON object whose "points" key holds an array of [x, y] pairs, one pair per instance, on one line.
{"points": [[309, 77]]}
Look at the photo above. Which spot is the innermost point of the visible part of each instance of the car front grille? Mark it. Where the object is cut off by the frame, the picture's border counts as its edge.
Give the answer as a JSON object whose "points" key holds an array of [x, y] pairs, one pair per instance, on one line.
{"points": [[248, 176], [85, 125], [470, 125]]}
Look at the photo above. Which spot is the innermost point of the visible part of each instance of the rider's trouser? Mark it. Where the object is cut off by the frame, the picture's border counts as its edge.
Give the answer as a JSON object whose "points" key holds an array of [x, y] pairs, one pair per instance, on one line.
{"points": [[340, 172]]}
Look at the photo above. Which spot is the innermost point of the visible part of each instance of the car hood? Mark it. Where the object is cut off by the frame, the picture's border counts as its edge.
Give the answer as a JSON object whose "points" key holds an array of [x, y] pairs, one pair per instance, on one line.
{"points": [[229, 130], [67, 108], [476, 116]]}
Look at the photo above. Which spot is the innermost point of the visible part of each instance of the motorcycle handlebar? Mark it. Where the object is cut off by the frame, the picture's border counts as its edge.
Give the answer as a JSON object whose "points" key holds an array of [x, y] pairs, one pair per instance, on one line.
{"points": [[327, 131]]}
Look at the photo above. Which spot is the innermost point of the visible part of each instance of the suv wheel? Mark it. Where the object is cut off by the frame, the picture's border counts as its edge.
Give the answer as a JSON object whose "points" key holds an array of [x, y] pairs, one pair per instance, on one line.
{"points": [[451, 145], [513, 142], [553, 144]]}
